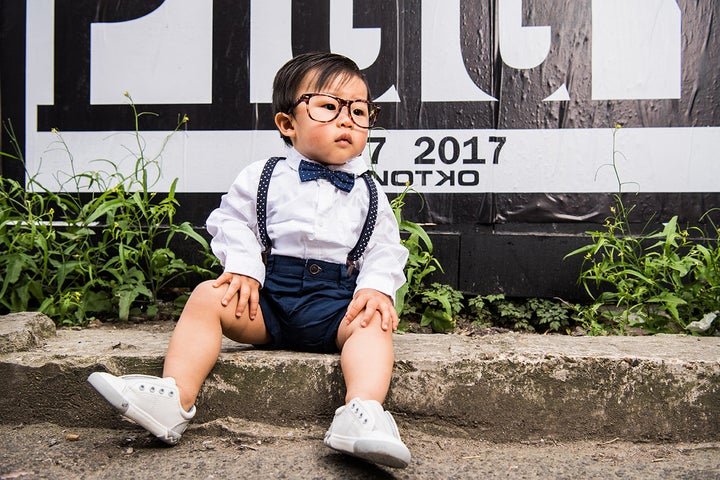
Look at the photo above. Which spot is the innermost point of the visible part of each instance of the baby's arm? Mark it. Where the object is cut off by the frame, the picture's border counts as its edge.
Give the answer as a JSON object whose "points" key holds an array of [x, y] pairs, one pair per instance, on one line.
{"points": [[366, 302], [247, 288]]}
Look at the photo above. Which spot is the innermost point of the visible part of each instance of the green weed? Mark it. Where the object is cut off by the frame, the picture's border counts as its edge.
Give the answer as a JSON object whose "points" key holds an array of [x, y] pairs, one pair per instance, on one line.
{"points": [[524, 315], [661, 281], [436, 305], [658, 281], [74, 256]]}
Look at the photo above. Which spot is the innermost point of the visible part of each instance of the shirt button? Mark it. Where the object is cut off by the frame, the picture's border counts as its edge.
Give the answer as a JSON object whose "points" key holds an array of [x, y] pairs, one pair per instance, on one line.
{"points": [[314, 269]]}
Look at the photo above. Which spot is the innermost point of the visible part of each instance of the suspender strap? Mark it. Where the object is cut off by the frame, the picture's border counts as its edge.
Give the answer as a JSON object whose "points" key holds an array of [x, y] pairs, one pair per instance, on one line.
{"points": [[261, 212], [261, 205], [368, 227]]}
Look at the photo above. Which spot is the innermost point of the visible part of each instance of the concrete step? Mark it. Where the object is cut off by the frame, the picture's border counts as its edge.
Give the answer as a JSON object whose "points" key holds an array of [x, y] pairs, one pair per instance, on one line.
{"points": [[503, 387]]}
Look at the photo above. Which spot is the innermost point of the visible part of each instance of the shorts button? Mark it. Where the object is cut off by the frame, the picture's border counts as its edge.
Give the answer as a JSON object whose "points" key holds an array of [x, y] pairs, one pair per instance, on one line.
{"points": [[315, 269]]}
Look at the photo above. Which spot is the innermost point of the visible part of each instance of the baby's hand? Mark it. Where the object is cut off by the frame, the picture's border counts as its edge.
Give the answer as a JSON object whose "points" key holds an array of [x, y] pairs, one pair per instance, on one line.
{"points": [[247, 289], [366, 302]]}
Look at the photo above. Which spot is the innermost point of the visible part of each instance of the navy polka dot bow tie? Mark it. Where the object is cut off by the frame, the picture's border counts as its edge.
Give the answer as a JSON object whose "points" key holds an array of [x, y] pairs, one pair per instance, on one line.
{"points": [[312, 171]]}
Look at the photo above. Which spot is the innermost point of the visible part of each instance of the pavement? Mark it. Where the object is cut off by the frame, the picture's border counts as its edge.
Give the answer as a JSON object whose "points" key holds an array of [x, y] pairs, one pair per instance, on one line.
{"points": [[506, 391]]}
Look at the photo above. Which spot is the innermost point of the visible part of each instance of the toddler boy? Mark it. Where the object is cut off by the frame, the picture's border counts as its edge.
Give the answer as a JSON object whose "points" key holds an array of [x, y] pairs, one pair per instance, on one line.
{"points": [[312, 261]]}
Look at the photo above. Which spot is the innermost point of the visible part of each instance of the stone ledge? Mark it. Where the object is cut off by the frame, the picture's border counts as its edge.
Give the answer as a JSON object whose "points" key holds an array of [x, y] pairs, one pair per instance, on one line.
{"points": [[24, 331], [507, 387]]}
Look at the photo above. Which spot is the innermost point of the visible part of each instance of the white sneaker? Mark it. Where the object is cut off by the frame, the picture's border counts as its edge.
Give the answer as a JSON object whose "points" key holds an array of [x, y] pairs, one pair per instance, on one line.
{"points": [[363, 429], [151, 402]]}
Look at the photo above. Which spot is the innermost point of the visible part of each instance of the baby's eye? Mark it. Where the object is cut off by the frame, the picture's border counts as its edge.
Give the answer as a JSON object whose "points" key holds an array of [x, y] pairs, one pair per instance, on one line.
{"points": [[360, 108], [329, 106]]}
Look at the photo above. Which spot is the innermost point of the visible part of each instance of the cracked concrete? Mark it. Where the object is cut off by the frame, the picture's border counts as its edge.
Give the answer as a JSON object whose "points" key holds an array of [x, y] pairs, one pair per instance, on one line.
{"points": [[503, 387]]}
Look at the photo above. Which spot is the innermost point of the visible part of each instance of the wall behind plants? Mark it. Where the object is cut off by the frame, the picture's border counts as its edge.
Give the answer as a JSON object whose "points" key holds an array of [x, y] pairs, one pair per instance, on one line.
{"points": [[500, 112]]}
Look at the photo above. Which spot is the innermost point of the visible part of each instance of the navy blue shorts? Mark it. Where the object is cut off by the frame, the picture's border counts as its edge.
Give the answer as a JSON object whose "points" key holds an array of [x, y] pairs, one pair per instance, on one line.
{"points": [[303, 303]]}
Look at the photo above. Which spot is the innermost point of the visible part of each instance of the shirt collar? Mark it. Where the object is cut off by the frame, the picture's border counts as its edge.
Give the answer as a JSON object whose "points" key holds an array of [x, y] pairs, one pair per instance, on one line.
{"points": [[355, 166]]}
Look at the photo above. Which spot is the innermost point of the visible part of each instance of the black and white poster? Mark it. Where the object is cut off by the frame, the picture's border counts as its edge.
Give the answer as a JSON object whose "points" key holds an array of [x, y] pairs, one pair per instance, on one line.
{"points": [[499, 111]]}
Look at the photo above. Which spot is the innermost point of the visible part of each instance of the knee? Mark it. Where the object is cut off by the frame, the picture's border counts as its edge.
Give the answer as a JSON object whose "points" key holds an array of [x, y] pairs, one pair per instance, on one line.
{"points": [[205, 288], [205, 294], [372, 330]]}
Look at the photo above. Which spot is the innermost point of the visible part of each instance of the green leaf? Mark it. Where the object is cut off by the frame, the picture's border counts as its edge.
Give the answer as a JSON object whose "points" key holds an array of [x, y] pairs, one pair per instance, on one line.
{"points": [[3, 154], [97, 302], [15, 268], [415, 229], [581, 250], [400, 298], [125, 300], [104, 209], [669, 302], [187, 229], [440, 321]]}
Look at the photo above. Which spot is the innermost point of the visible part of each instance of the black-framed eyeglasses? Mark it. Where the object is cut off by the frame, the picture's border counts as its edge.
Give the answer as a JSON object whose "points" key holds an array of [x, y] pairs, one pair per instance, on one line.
{"points": [[323, 108]]}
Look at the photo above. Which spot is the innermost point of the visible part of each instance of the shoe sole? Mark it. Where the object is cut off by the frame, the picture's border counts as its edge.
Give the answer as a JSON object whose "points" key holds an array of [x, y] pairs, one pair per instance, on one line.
{"points": [[391, 454], [105, 388]]}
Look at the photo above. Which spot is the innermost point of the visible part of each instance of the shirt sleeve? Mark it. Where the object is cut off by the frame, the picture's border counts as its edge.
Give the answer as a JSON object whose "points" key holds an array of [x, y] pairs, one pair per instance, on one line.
{"points": [[382, 266], [233, 226]]}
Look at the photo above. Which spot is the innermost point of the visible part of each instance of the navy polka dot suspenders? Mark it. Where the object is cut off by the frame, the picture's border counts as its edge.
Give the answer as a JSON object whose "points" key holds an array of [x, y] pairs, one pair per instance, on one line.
{"points": [[368, 227], [261, 205]]}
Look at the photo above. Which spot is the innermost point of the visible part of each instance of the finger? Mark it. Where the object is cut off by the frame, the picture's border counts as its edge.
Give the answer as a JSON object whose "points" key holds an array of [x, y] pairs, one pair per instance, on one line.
{"points": [[379, 318], [240, 309], [353, 309], [243, 296], [385, 319], [222, 279], [232, 289], [367, 315], [373, 308], [390, 317], [254, 303], [395, 319]]}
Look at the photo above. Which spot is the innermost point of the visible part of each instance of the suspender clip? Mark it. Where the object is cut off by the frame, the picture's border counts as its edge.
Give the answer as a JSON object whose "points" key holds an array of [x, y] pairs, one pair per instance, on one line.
{"points": [[350, 266]]}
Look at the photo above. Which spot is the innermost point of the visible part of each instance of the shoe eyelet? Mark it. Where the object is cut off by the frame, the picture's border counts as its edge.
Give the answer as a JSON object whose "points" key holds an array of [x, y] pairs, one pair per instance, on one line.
{"points": [[152, 389], [162, 391], [141, 388], [171, 393]]}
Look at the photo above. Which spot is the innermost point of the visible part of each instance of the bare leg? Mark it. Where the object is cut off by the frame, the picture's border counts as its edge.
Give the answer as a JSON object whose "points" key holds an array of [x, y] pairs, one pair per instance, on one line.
{"points": [[366, 360], [195, 343]]}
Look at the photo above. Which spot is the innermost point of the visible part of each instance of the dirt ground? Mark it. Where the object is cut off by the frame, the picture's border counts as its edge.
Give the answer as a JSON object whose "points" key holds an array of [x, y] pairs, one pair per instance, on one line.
{"points": [[230, 448]]}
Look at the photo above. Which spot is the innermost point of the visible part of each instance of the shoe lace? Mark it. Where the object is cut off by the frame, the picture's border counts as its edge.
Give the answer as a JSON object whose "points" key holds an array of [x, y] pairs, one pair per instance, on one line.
{"points": [[159, 390], [359, 413]]}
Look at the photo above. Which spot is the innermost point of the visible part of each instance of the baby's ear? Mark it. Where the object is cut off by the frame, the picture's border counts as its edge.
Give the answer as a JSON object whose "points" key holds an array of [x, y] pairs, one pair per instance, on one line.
{"points": [[285, 124]]}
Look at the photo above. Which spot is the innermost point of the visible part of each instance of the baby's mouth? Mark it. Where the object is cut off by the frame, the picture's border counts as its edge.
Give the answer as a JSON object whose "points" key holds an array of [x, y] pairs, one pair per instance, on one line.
{"points": [[344, 138]]}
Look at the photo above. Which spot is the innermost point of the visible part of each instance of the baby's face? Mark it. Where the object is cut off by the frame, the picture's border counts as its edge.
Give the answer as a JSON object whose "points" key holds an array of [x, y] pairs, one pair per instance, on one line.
{"points": [[334, 142]]}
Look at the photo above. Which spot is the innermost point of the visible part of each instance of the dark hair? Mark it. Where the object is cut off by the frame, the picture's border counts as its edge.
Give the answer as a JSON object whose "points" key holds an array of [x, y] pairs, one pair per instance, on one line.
{"points": [[326, 67]]}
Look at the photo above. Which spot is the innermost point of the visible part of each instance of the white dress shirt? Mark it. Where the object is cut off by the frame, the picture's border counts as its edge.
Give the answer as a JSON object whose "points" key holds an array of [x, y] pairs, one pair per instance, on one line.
{"points": [[307, 220]]}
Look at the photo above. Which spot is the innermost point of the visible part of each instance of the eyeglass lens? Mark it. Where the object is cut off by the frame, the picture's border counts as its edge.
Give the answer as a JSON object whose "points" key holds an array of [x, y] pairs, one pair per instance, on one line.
{"points": [[324, 108]]}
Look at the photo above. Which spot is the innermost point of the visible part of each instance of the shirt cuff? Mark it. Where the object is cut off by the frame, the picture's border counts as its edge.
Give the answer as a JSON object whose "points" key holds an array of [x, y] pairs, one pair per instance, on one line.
{"points": [[249, 268], [381, 283]]}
